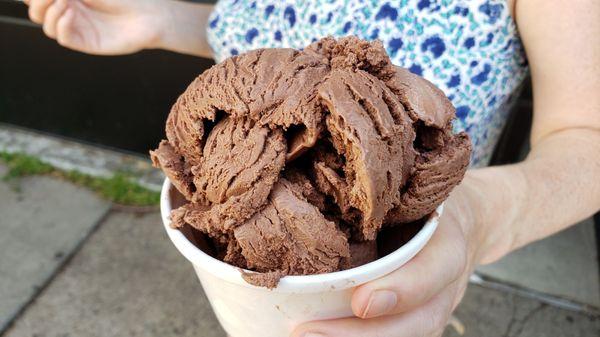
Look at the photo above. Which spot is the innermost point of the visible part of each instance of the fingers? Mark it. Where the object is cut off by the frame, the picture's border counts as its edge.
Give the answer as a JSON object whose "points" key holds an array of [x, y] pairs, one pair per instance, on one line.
{"points": [[37, 10], [49, 13], [441, 262], [53, 14], [428, 320], [64, 31]]}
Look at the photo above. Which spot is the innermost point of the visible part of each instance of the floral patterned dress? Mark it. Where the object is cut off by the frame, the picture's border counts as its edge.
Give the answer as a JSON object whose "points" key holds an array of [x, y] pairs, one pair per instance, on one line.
{"points": [[468, 48]]}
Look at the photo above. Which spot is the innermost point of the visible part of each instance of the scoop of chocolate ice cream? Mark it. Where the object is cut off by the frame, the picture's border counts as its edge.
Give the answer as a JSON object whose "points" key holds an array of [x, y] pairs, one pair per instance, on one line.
{"points": [[376, 146], [290, 234], [241, 161], [292, 161]]}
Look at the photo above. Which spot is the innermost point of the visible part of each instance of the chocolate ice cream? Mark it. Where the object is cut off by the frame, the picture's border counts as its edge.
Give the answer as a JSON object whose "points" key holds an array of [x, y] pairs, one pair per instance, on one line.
{"points": [[292, 161]]}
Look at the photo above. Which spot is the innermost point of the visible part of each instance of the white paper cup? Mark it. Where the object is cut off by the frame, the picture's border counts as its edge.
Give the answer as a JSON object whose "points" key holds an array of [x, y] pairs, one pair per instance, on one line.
{"points": [[245, 310]]}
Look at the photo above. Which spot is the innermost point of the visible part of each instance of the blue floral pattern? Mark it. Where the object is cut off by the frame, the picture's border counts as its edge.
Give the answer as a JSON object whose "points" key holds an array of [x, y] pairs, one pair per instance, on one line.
{"points": [[468, 48]]}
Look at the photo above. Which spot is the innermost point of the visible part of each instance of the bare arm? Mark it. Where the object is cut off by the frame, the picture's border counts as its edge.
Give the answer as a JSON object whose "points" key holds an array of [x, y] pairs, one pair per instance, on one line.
{"points": [[559, 182]]}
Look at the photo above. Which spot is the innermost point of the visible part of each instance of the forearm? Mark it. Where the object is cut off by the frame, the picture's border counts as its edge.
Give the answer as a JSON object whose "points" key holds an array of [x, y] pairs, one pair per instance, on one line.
{"points": [[184, 29], [556, 186]]}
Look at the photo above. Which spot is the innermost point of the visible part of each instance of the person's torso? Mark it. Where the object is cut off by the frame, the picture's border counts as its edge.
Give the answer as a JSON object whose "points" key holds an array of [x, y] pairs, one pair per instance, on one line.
{"points": [[468, 48]]}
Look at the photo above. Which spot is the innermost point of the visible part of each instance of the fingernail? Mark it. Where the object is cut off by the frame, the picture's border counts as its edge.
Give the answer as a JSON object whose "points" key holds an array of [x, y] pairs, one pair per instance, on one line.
{"points": [[380, 303], [313, 334]]}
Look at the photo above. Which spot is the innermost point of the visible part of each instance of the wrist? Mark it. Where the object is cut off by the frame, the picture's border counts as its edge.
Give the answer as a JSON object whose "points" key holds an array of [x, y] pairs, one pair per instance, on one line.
{"points": [[182, 28], [162, 15], [462, 208], [492, 199]]}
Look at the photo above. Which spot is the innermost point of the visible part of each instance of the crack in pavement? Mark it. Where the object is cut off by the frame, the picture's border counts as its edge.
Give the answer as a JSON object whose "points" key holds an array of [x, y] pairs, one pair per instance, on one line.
{"points": [[528, 317], [513, 319], [521, 323]]}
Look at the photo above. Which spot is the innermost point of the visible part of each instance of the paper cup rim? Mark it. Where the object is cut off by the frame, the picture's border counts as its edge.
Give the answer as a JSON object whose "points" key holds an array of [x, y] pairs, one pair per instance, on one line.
{"points": [[303, 283]]}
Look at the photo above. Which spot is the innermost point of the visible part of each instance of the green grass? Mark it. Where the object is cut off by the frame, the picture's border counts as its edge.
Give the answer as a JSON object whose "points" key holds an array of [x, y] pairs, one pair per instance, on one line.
{"points": [[118, 188], [21, 165]]}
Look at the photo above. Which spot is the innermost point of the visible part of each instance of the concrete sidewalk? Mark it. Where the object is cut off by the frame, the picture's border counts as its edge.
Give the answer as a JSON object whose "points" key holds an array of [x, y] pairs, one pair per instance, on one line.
{"points": [[127, 280], [74, 265], [42, 222]]}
